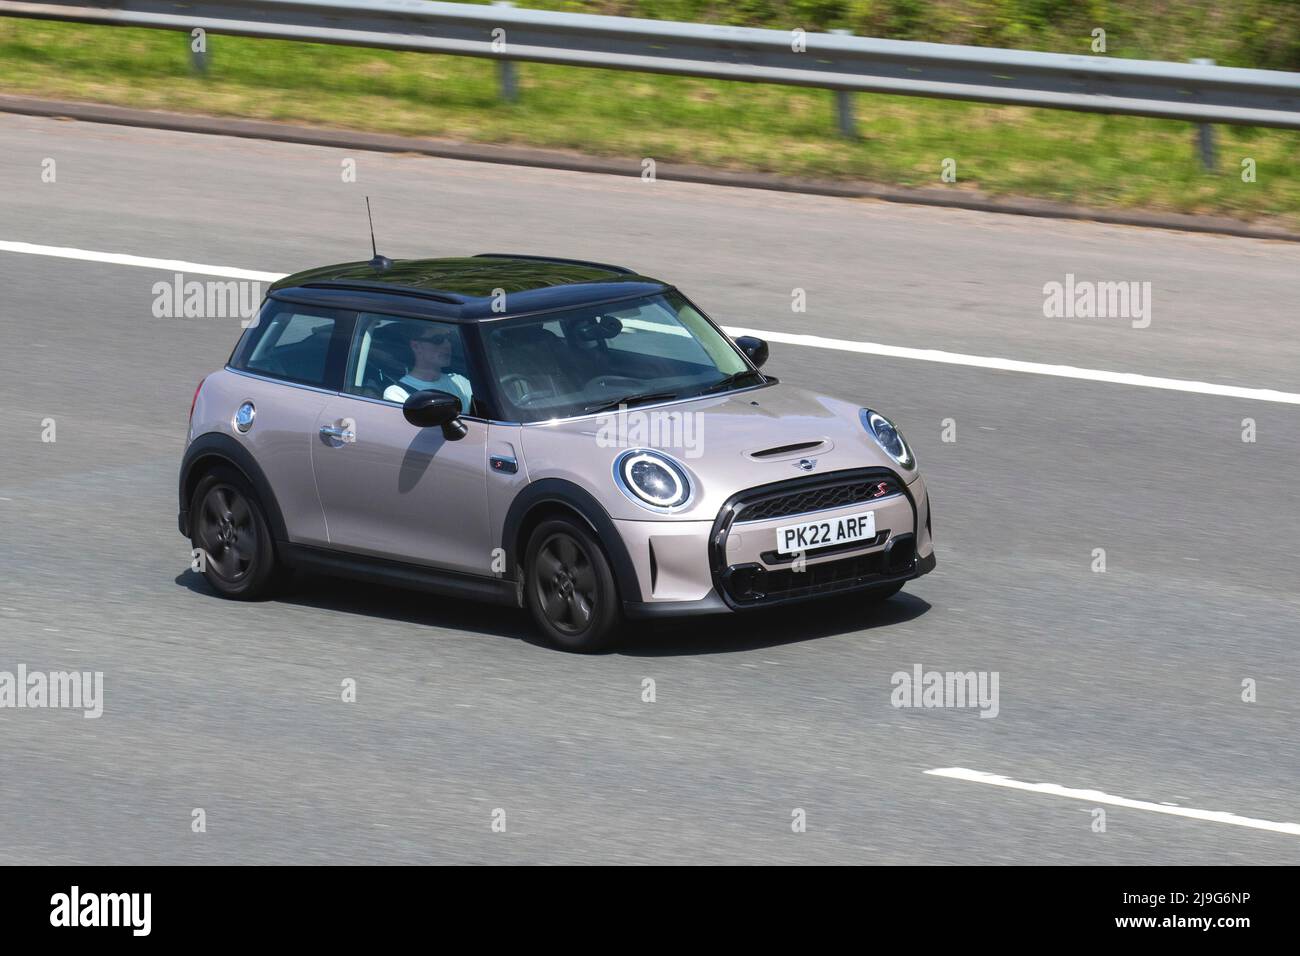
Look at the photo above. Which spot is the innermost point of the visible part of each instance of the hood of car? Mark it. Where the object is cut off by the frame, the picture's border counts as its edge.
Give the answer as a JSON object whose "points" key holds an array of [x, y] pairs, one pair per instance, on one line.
{"points": [[725, 444]]}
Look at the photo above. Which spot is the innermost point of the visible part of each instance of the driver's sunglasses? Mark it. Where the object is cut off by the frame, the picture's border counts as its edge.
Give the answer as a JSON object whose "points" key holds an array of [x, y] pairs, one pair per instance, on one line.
{"points": [[437, 339]]}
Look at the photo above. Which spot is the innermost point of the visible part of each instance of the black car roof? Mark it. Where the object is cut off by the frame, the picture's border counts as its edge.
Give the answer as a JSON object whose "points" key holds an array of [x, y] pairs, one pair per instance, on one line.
{"points": [[463, 289]]}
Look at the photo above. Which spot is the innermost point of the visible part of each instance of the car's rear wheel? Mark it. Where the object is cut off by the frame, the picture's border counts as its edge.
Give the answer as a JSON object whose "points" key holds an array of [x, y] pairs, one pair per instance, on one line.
{"points": [[229, 527], [570, 587]]}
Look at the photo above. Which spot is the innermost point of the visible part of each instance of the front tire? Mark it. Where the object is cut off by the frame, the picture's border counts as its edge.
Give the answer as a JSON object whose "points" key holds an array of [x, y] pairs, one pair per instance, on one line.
{"points": [[229, 527], [570, 587]]}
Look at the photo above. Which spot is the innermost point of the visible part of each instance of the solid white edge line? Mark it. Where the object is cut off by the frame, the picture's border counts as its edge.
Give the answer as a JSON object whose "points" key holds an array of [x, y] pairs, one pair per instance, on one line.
{"points": [[1031, 368], [1097, 796], [785, 338], [118, 259]]}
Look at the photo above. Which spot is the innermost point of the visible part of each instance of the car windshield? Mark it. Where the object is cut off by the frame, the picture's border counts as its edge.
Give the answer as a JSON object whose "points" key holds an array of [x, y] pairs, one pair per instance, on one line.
{"points": [[587, 360]]}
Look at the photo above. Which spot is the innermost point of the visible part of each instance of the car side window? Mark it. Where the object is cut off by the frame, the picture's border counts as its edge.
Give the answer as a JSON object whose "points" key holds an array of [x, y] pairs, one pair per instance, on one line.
{"points": [[291, 343], [391, 358]]}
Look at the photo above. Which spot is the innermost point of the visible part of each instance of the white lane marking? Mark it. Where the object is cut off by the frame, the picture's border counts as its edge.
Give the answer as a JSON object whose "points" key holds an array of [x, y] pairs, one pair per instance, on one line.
{"points": [[1031, 368], [1096, 796], [118, 259], [785, 338]]}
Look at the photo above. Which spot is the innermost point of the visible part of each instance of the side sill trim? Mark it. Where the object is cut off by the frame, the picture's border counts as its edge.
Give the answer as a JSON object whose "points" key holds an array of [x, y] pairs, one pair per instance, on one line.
{"points": [[400, 574]]}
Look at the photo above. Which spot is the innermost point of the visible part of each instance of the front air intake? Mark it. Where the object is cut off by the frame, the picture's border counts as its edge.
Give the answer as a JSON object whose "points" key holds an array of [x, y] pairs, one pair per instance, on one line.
{"points": [[900, 554]]}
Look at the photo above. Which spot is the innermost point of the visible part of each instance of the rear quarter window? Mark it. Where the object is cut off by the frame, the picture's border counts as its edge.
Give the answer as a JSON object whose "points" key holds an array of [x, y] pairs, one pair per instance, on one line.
{"points": [[295, 343]]}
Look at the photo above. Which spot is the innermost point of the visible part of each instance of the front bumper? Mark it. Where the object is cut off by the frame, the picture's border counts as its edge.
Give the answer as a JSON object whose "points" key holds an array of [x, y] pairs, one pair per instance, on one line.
{"points": [[730, 564]]}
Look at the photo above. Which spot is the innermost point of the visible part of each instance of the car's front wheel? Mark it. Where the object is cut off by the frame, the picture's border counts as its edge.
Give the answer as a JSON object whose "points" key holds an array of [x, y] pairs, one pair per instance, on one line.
{"points": [[570, 587], [229, 530]]}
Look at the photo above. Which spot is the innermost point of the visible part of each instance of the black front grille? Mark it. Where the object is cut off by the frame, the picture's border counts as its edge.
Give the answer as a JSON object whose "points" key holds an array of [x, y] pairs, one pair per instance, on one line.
{"points": [[781, 505], [749, 584]]}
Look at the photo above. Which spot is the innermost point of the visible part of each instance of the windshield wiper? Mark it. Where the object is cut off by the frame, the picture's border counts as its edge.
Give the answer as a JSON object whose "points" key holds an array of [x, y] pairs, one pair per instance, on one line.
{"points": [[629, 400], [731, 380]]}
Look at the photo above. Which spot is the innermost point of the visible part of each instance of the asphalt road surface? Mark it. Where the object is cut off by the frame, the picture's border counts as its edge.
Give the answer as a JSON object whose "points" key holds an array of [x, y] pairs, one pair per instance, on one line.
{"points": [[1128, 682]]}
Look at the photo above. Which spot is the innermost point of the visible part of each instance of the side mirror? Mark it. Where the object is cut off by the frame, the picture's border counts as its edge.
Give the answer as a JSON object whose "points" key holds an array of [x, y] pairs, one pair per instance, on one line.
{"points": [[432, 408], [755, 349]]}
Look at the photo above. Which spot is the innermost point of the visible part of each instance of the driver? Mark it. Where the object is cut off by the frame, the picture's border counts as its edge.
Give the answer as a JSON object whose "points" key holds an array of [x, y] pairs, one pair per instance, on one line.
{"points": [[431, 355]]}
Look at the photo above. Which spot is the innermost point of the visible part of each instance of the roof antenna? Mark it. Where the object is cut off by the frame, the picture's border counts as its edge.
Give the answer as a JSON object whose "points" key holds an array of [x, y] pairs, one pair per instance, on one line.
{"points": [[378, 263]]}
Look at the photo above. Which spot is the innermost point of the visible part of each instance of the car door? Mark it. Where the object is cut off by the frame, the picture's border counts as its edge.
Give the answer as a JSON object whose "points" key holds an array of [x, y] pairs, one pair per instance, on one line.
{"points": [[387, 488], [287, 367]]}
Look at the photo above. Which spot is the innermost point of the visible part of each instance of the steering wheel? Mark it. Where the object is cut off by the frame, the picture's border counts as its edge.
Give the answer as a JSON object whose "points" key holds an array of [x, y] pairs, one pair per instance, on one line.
{"points": [[525, 396]]}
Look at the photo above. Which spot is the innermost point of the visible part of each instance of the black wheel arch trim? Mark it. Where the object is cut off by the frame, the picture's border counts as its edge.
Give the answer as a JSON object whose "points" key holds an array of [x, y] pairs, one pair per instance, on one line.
{"points": [[217, 445], [573, 497], [418, 577]]}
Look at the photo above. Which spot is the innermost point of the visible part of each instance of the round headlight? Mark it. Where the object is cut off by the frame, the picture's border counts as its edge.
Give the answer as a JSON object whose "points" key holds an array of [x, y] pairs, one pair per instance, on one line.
{"points": [[888, 437], [652, 479]]}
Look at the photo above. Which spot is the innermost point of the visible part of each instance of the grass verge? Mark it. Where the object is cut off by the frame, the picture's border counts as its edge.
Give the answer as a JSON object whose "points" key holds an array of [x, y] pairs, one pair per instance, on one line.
{"points": [[1093, 160]]}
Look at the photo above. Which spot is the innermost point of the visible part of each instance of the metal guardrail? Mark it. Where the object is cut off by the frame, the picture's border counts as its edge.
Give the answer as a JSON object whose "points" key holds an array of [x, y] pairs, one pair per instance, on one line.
{"points": [[1194, 92]]}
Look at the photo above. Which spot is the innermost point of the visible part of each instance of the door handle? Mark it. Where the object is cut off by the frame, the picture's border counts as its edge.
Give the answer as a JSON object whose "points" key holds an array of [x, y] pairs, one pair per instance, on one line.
{"points": [[338, 433]]}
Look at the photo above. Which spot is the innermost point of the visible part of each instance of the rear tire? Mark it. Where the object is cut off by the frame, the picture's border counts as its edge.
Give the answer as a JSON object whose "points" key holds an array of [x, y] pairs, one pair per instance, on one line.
{"points": [[570, 587], [228, 524]]}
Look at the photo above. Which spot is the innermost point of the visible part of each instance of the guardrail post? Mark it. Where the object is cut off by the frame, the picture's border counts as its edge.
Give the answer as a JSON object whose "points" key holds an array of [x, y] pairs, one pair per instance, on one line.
{"points": [[1204, 131], [844, 103], [507, 78]]}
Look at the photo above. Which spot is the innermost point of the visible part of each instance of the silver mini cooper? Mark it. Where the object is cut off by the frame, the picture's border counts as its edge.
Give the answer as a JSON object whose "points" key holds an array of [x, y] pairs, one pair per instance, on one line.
{"points": [[565, 436]]}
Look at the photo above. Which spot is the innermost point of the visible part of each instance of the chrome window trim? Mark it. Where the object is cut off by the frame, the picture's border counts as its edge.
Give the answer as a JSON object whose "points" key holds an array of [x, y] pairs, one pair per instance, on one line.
{"points": [[280, 381], [398, 405], [337, 394], [493, 421]]}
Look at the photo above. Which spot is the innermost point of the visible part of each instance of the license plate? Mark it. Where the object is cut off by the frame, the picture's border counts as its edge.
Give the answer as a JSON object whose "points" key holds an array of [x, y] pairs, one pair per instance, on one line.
{"points": [[821, 534]]}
